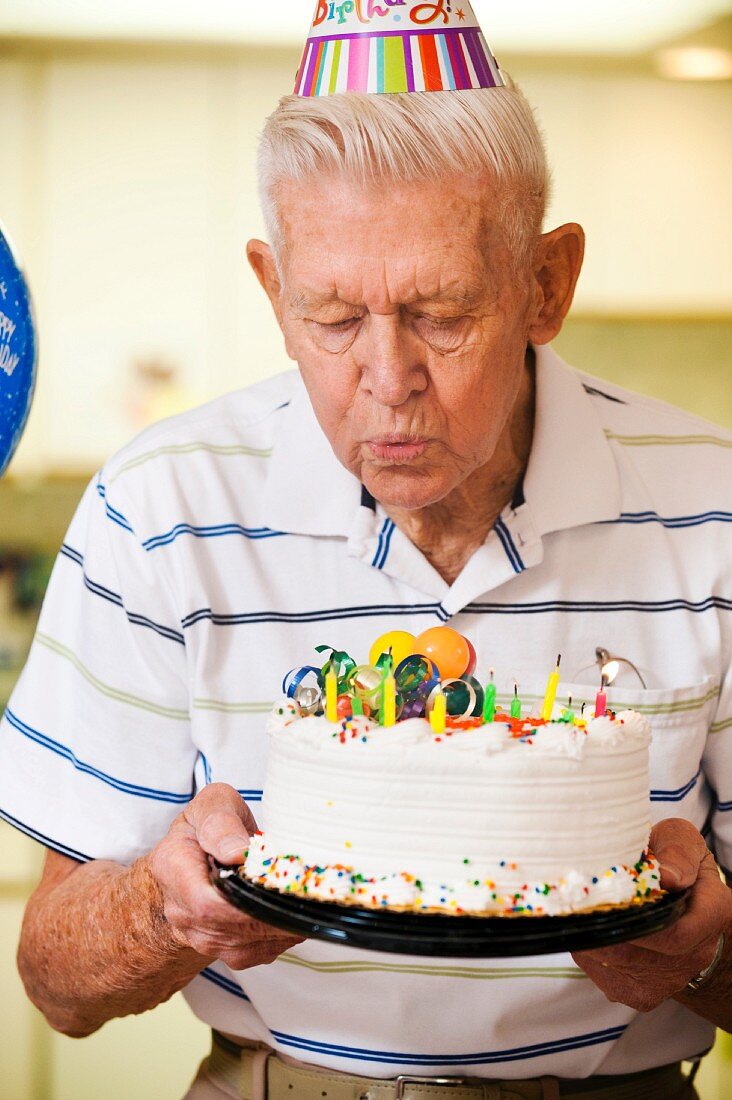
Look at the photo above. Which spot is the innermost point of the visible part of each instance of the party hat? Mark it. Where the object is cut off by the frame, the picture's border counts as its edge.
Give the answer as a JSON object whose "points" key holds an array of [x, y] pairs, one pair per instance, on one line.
{"points": [[395, 46]]}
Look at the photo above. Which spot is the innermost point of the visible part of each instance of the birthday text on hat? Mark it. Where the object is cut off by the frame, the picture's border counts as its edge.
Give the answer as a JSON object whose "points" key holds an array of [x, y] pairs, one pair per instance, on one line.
{"points": [[367, 10], [8, 361]]}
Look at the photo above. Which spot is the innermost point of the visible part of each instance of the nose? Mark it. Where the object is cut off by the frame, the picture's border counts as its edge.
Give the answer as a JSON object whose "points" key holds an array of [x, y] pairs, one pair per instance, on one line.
{"points": [[391, 360]]}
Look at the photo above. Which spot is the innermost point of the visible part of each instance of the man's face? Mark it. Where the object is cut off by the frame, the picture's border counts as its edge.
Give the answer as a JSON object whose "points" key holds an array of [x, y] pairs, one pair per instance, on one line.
{"points": [[400, 308]]}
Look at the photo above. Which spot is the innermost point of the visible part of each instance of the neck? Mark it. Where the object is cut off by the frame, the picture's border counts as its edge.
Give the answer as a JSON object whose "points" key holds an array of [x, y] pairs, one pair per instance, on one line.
{"points": [[449, 532]]}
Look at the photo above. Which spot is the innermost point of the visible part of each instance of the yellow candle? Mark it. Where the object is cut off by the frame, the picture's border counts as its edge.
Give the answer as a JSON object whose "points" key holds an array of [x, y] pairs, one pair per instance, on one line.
{"points": [[388, 700], [439, 714], [331, 694], [551, 692]]}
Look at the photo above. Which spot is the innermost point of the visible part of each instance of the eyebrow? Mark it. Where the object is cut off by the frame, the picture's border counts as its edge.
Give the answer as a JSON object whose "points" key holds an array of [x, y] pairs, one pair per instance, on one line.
{"points": [[304, 302]]}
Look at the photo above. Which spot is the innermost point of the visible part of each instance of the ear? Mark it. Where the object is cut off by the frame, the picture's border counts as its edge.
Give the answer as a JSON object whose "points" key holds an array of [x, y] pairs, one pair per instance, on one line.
{"points": [[556, 271], [262, 261]]}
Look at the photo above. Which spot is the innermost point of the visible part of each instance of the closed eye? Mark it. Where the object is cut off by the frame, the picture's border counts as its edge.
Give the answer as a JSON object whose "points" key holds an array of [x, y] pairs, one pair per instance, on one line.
{"points": [[337, 326]]}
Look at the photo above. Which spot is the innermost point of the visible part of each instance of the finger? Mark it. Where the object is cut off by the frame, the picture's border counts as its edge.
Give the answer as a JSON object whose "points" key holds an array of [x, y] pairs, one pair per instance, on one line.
{"points": [[190, 898], [222, 822], [223, 835], [708, 910], [622, 987], [680, 849], [238, 958]]}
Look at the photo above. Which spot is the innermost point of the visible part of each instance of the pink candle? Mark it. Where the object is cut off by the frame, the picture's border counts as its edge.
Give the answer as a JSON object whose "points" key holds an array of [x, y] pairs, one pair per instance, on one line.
{"points": [[601, 701]]}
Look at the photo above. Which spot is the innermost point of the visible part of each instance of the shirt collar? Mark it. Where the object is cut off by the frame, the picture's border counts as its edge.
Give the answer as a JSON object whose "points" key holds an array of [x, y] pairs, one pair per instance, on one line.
{"points": [[307, 491], [571, 479]]}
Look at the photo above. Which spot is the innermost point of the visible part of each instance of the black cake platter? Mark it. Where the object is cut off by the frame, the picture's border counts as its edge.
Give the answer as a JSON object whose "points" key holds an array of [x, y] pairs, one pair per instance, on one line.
{"points": [[445, 935]]}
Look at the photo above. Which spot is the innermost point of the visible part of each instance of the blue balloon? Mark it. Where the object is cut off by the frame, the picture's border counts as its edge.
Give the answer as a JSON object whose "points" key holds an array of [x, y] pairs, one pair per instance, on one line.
{"points": [[18, 353]]}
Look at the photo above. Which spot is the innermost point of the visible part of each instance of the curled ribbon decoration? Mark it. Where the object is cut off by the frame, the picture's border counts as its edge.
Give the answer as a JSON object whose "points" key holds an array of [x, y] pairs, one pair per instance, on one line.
{"points": [[308, 698], [341, 662], [456, 691], [295, 677], [418, 682], [384, 663], [416, 678], [366, 682]]}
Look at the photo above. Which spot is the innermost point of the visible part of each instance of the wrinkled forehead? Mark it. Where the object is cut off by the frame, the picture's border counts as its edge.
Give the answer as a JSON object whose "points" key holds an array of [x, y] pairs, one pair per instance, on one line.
{"points": [[396, 242]]}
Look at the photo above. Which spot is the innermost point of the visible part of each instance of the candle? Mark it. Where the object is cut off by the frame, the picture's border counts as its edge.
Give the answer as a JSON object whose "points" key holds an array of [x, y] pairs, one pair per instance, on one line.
{"points": [[356, 707], [438, 716], [515, 703], [331, 694], [388, 699], [551, 693], [601, 700], [568, 713], [489, 701]]}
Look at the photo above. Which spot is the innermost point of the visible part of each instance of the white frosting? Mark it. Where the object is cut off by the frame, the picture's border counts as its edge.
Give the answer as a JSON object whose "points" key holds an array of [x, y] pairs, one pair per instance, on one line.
{"points": [[474, 820]]}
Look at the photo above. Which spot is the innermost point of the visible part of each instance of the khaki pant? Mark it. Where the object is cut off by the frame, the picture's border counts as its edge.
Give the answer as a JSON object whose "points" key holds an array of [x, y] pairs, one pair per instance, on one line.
{"points": [[210, 1085], [207, 1087]]}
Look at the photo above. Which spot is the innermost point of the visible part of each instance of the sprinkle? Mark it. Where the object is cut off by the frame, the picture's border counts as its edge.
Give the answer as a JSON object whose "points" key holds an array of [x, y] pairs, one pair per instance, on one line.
{"points": [[348, 844]]}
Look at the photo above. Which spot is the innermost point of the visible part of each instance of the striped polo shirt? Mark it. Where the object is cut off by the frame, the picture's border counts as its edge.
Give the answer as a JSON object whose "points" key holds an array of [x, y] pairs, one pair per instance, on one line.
{"points": [[214, 552]]}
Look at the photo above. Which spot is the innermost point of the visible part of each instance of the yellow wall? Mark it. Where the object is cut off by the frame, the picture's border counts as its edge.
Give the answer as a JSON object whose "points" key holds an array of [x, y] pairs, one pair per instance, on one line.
{"points": [[128, 182]]}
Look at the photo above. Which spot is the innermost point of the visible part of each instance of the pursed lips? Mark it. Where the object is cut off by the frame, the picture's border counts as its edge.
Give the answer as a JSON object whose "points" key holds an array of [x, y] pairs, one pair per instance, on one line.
{"points": [[397, 449]]}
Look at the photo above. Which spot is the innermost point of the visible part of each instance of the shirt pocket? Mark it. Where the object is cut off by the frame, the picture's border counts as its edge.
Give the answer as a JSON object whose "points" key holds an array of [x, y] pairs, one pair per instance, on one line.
{"points": [[679, 719]]}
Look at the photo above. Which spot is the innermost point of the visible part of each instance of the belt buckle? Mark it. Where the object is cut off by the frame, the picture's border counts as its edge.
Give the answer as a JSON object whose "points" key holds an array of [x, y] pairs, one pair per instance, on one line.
{"points": [[403, 1081]]}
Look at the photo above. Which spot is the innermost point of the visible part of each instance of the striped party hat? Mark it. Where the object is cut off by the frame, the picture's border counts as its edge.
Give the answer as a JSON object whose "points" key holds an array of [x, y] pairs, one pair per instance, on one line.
{"points": [[395, 46]]}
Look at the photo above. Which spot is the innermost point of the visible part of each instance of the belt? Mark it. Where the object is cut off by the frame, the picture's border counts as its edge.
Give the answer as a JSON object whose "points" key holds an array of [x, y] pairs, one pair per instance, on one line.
{"points": [[259, 1074]]}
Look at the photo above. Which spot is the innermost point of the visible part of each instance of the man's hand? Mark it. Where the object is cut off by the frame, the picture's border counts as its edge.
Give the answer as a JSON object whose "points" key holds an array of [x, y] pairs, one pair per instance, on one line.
{"points": [[217, 822], [644, 973]]}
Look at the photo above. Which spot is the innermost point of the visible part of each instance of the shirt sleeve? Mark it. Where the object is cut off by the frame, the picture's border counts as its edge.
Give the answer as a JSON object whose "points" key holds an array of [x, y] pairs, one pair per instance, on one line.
{"points": [[96, 756]]}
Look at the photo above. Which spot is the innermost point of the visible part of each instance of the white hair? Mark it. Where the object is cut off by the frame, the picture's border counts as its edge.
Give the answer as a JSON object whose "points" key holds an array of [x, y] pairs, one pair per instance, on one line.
{"points": [[414, 137]]}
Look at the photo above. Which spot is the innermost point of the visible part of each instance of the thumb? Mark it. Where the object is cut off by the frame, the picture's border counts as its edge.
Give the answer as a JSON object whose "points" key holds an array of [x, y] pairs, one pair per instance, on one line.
{"points": [[222, 821], [680, 849]]}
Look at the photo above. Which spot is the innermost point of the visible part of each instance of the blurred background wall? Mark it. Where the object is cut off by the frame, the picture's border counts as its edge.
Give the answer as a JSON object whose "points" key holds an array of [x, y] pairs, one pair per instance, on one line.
{"points": [[128, 185]]}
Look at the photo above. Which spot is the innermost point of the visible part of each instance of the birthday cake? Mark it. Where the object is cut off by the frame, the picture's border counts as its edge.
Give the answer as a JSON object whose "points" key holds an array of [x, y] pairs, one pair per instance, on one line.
{"points": [[395, 786]]}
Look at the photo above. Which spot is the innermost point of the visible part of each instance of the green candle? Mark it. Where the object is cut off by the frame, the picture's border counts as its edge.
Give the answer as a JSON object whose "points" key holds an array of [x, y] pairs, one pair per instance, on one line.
{"points": [[515, 703], [489, 701], [568, 713]]}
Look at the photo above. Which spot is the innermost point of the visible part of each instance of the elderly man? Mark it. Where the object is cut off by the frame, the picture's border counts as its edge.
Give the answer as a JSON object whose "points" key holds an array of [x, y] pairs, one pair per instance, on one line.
{"points": [[432, 461]]}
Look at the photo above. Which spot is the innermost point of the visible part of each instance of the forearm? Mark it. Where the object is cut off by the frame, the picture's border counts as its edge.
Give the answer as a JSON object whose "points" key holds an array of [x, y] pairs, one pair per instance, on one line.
{"points": [[714, 1000], [96, 945]]}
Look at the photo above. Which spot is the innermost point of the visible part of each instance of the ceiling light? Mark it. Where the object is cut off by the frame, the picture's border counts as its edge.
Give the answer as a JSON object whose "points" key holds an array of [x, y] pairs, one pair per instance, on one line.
{"points": [[695, 63]]}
